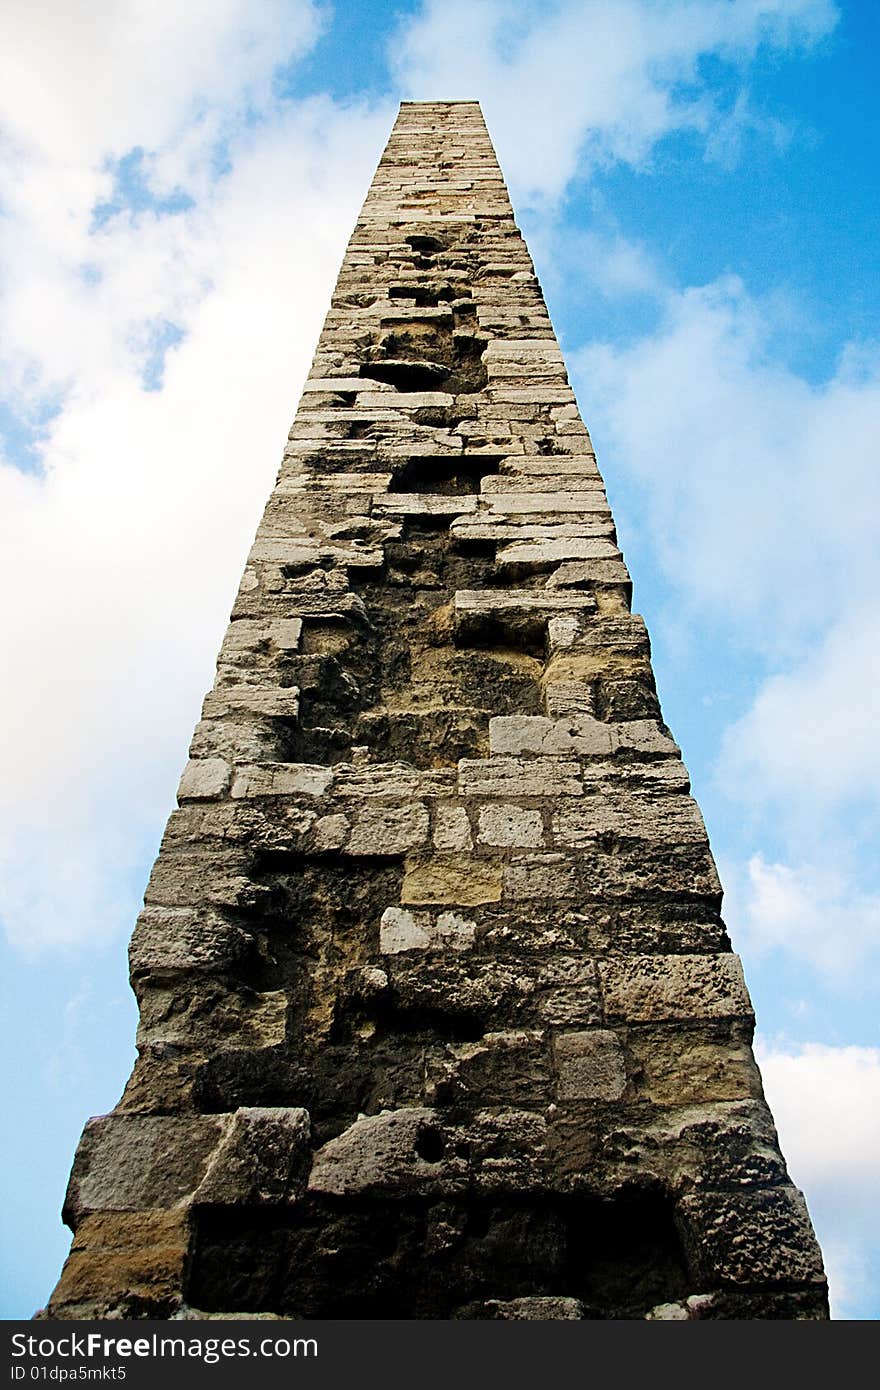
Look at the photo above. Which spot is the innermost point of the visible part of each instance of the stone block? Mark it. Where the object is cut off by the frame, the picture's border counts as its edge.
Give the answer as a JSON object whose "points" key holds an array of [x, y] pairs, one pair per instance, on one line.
{"points": [[400, 930], [424, 504], [263, 1157], [538, 554], [239, 1017], [475, 606], [281, 779], [591, 1065], [124, 1264], [509, 1067], [510, 826], [545, 503], [462, 882], [751, 1238], [330, 832], [167, 940], [569, 699], [550, 876], [392, 782], [383, 829], [286, 634], [536, 1308], [139, 1162], [271, 701], [451, 827], [653, 818], [654, 988], [395, 1152], [693, 1065], [499, 776], [204, 779], [568, 991], [522, 734]]}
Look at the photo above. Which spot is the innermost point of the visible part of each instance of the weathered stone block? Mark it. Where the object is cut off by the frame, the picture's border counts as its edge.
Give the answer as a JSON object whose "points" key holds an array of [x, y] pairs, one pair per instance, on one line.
{"points": [[124, 1264], [509, 1067], [396, 1152], [550, 777], [591, 1065], [547, 876], [694, 1065], [263, 1156], [536, 1308], [569, 992], [204, 779], [383, 829], [779, 1247], [451, 827], [282, 779], [653, 988], [182, 939], [139, 1162], [509, 826], [330, 832], [463, 882]]}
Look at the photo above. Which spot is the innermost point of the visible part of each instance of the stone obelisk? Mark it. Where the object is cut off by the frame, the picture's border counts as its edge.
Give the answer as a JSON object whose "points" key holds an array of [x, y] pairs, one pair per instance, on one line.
{"points": [[439, 1017]]}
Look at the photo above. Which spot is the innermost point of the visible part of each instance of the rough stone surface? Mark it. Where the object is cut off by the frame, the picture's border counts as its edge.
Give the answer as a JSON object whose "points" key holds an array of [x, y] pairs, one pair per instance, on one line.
{"points": [[591, 1066], [438, 1014]]}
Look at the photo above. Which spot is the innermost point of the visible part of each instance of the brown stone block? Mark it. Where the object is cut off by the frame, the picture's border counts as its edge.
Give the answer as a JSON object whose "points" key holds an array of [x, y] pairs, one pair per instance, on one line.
{"points": [[591, 1065], [459, 882], [688, 1066], [124, 1264]]}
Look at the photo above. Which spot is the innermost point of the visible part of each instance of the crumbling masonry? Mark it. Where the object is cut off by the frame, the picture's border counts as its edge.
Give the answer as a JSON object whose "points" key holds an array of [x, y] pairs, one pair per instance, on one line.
{"points": [[439, 1018]]}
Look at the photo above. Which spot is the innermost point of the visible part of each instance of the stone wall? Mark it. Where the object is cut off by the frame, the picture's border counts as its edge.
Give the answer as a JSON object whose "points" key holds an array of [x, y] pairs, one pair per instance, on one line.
{"points": [[439, 1017]]}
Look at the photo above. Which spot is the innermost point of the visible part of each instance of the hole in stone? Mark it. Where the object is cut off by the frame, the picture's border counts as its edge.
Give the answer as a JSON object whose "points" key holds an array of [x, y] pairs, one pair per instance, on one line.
{"points": [[430, 1144], [429, 245], [406, 375], [427, 353], [427, 296], [444, 474]]}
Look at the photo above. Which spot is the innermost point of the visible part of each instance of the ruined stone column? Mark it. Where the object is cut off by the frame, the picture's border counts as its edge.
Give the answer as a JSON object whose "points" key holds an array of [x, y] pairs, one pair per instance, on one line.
{"points": [[439, 1018]]}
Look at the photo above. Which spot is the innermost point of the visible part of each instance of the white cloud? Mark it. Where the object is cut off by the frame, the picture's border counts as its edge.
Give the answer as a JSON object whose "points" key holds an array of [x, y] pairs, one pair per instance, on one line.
{"points": [[761, 487], [572, 85], [78, 82], [810, 735], [813, 910], [826, 1103], [119, 563], [760, 493]]}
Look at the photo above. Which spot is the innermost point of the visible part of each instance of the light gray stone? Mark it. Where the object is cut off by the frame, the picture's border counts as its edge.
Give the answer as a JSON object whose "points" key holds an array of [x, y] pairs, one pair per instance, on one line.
{"points": [[281, 779], [510, 826], [330, 832], [451, 827], [204, 779], [400, 930], [383, 829]]}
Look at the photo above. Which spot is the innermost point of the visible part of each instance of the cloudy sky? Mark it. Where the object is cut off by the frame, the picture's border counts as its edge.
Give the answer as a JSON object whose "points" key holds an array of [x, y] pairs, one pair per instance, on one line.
{"points": [[697, 182]]}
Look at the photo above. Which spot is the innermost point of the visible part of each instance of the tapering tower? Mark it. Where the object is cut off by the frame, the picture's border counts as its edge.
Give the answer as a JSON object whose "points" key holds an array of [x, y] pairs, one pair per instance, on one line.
{"points": [[439, 1018]]}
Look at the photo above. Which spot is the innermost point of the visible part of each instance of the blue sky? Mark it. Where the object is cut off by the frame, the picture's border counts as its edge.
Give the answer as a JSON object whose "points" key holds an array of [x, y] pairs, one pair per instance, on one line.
{"points": [[697, 181]]}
